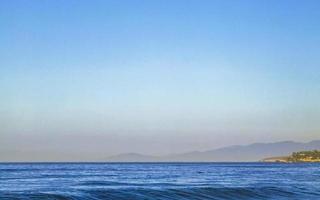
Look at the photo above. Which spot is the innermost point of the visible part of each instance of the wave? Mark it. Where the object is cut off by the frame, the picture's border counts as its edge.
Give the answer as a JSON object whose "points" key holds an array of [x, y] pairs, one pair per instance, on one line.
{"points": [[172, 194]]}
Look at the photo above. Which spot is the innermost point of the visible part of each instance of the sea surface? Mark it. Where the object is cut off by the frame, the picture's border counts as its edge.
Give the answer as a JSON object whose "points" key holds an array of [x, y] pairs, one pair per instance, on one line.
{"points": [[159, 181]]}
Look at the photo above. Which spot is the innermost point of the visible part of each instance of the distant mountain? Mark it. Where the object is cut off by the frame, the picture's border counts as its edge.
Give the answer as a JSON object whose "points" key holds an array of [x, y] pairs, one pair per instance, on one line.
{"points": [[238, 153], [301, 156]]}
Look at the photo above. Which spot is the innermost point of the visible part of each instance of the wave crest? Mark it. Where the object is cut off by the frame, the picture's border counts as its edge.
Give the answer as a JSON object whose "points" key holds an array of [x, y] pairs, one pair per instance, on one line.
{"points": [[174, 193]]}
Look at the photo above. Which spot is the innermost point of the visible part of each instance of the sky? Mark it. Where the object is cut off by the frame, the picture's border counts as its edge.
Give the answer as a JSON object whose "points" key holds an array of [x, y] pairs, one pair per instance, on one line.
{"points": [[83, 80]]}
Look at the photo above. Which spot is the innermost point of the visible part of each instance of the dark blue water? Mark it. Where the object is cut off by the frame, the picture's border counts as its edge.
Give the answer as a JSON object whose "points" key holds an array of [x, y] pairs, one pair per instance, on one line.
{"points": [[160, 181]]}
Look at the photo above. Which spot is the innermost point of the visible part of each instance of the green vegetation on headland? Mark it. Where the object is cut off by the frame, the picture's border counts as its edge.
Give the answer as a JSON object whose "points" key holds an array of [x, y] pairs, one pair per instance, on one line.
{"points": [[301, 156]]}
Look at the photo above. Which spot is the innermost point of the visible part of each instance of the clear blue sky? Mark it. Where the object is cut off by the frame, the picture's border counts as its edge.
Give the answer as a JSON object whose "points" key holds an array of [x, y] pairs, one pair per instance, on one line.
{"points": [[158, 76]]}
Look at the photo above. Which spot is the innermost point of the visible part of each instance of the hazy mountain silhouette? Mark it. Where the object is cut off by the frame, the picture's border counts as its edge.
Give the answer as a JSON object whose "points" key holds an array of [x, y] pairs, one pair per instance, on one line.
{"points": [[237, 153]]}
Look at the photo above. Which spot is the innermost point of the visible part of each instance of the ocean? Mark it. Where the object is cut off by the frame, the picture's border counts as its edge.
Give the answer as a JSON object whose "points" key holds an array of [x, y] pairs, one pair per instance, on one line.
{"points": [[159, 181]]}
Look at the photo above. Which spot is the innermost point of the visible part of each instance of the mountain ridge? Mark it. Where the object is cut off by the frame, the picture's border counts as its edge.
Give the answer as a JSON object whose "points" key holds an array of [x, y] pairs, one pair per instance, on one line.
{"points": [[235, 153]]}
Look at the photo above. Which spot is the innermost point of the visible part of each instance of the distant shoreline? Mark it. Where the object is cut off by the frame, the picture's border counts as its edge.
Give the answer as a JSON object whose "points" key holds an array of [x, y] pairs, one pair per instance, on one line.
{"points": [[84, 162], [297, 157]]}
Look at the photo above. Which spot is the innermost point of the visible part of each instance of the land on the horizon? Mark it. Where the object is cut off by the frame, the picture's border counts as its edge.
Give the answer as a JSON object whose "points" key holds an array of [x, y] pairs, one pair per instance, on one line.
{"points": [[238, 153], [301, 156]]}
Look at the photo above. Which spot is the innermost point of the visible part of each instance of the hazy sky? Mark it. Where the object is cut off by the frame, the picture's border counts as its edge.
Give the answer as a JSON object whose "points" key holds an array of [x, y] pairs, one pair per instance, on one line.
{"points": [[83, 80]]}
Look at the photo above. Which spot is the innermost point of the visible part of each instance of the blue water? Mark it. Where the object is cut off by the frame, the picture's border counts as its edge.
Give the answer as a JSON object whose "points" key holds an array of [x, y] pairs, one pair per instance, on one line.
{"points": [[159, 181]]}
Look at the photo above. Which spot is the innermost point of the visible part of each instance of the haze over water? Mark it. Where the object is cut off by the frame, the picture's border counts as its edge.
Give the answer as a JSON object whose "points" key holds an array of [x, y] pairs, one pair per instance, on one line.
{"points": [[82, 80], [161, 80]]}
